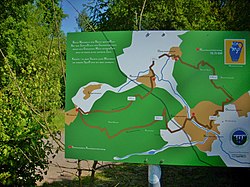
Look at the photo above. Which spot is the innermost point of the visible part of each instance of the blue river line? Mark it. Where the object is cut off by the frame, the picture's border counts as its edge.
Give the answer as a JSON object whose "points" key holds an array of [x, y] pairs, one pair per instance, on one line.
{"points": [[163, 69], [177, 94], [162, 79], [153, 151]]}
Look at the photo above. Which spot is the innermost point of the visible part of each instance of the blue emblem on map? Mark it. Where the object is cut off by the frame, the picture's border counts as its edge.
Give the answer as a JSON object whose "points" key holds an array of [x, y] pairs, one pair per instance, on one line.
{"points": [[239, 137], [235, 50]]}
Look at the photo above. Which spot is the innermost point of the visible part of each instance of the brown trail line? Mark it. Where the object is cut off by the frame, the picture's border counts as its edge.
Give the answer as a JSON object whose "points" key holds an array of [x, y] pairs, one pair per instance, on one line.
{"points": [[152, 78], [201, 63], [119, 132], [184, 123]]}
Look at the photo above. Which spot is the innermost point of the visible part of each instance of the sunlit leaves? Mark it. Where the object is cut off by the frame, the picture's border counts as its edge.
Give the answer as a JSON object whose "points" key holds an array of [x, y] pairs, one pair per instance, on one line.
{"points": [[30, 88], [167, 15]]}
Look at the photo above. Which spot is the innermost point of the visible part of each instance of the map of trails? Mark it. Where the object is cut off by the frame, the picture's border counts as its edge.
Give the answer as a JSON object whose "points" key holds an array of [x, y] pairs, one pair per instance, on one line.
{"points": [[159, 97]]}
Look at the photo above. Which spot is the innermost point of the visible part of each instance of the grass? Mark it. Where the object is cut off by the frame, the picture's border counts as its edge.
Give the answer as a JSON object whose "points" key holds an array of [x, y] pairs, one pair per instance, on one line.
{"points": [[135, 175], [121, 175], [58, 121]]}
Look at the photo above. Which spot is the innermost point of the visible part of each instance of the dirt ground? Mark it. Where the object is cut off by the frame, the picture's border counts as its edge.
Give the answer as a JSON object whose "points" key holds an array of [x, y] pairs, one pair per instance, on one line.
{"points": [[61, 169]]}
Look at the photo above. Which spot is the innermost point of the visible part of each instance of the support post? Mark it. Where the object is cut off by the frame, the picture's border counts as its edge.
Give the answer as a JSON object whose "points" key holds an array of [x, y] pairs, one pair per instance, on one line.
{"points": [[154, 175]]}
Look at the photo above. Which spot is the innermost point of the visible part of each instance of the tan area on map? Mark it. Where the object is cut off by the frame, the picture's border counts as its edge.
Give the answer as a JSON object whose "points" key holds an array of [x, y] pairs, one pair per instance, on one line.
{"points": [[89, 89], [174, 52], [147, 80], [201, 113], [243, 105], [70, 116]]}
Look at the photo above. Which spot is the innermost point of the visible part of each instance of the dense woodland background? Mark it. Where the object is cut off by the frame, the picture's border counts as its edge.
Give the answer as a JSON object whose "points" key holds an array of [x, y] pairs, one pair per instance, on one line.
{"points": [[32, 64]]}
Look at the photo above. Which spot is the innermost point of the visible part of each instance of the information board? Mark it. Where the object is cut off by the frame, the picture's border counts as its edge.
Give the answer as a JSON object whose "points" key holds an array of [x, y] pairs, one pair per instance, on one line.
{"points": [[159, 97]]}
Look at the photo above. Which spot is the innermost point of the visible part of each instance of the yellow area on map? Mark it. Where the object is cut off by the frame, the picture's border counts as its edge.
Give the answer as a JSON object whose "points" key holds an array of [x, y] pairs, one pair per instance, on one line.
{"points": [[175, 52], [243, 105], [70, 116], [201, 111], [89, 89], [147, 79]]}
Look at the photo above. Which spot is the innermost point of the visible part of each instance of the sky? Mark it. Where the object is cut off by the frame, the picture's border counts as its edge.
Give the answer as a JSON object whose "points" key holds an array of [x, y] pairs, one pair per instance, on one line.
{"points": [[69, 23]]}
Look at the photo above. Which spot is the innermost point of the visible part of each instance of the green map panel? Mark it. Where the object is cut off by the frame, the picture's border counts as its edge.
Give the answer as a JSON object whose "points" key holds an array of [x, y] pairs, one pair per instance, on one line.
{"points": [[159, 97]]}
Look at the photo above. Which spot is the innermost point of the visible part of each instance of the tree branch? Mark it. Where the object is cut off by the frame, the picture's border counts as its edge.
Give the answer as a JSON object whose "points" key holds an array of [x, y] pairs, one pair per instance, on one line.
{"points": [[144, 3]]}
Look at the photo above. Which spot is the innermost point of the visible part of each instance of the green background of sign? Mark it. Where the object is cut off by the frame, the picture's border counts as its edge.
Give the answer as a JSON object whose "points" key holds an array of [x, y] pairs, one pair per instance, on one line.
{"points": [[205, 91], [141, 112], [81, 74]]}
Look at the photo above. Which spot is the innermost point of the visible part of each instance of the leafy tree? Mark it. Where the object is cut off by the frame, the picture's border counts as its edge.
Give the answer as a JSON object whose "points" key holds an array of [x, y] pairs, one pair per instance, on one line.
{"points": [[236, 15], [167, 15], [30, 76], [85, 22]]}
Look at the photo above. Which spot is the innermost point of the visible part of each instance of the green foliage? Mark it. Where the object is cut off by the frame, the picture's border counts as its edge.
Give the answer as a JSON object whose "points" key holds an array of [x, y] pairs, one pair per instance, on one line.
{"points": [[30, 75], [235, 13], [11, 8], [85, 22], [51, 13], [58, 120], [166, 15]]}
